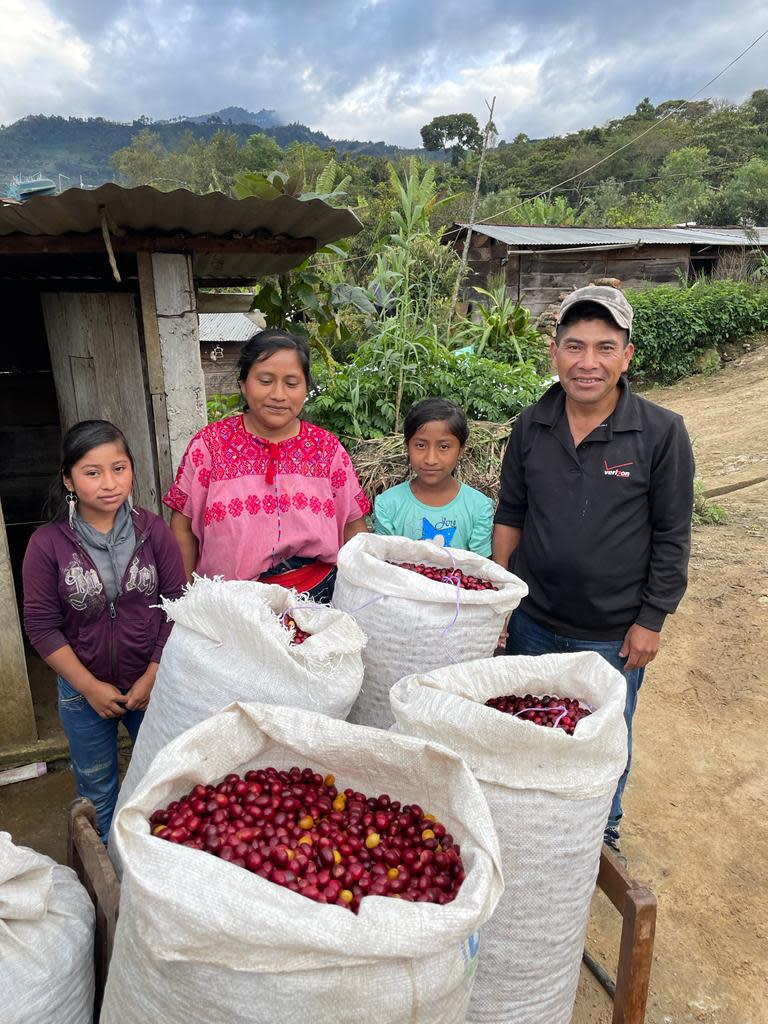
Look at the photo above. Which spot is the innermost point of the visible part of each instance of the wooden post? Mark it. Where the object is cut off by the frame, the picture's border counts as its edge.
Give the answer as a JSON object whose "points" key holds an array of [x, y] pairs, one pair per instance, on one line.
{"points": [[178, 339], [156, 378], [17, 721]]}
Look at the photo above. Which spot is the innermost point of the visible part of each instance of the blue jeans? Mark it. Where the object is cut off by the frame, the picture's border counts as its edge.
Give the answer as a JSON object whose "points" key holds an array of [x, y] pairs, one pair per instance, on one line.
{"points": [[93, 746], [526, 636]]}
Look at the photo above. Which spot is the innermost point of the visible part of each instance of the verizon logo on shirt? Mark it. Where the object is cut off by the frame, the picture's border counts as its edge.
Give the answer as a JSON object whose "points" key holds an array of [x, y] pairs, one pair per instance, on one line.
{"points": [[619, 470]]}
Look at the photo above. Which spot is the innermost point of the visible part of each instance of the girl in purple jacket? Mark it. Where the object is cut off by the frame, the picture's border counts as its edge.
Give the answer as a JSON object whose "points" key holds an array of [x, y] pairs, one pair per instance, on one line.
{"points": [[93, 577]]}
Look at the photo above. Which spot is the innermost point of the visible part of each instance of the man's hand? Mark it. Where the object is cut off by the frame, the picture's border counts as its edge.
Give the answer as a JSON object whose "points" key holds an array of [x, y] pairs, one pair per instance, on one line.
{"points": [[640, 647], [106, 700], [139, 693]]}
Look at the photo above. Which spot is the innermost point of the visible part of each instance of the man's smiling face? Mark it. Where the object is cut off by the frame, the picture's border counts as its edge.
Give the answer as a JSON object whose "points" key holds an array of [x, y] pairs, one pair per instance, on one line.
{"points": [[589, 360]]}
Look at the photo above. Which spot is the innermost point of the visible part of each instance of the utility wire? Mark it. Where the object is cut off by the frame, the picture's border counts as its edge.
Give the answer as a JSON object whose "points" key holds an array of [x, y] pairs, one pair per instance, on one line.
{"points": [[632, 141]]}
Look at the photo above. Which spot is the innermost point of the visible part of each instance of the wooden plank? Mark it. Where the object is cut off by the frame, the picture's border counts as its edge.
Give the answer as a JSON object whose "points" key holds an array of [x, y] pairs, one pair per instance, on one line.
{"points": [[635, 957], [87, 856], [98, 372], [17, 722], [149, 324], [54, 748], [93, 242]]}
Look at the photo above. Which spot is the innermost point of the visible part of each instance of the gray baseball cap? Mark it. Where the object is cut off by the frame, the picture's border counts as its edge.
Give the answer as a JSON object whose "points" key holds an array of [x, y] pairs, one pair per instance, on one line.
{"points": [[611, 299]]}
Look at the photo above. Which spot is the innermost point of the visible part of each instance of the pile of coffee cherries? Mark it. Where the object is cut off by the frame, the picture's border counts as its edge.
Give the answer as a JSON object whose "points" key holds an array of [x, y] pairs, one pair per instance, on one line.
{"points": [[552, 712], [297, 829], [299, 636], [443, 575]]}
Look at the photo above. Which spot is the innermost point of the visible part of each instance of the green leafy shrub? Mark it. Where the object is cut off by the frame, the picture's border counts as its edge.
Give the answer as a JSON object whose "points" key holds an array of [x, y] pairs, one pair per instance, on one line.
{"points": [[368, 396], [221, 406], [673, 326]]}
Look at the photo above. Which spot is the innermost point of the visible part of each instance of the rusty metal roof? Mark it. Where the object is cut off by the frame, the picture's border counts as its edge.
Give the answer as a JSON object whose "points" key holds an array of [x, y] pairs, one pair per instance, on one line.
{"points": [[147, 211], [539, 237]]}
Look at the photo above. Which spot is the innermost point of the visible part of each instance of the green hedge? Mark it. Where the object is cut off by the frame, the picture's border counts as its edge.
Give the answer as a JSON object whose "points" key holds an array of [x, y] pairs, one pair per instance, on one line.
{"points": [[672, 326]]}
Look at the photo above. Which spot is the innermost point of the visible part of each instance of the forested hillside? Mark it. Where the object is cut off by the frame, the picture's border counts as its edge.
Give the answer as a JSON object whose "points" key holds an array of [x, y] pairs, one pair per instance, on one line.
{"points": [[83, 147], [705, 161]]}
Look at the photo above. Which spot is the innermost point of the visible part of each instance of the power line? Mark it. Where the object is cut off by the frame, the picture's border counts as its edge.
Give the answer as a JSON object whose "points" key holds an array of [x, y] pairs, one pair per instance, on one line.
{"points": [[631, 142]]}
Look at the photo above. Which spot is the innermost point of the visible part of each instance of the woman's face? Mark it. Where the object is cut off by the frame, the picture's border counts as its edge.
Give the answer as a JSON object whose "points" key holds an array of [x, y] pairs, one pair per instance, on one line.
{"points": [[275, 390]]}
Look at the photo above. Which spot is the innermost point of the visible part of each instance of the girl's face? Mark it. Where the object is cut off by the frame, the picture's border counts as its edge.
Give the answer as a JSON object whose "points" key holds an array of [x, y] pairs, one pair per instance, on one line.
{"points": [[275, 390], [433, 452], [102, 481]]}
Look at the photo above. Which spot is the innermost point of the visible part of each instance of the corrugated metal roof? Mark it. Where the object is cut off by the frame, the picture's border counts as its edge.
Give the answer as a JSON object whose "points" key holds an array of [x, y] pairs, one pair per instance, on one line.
{"points": [[226, 327], [147, 211], [564, 236]]}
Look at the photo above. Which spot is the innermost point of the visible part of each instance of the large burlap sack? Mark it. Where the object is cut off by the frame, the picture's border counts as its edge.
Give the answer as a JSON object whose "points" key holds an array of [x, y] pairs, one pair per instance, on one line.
{"points": [[201, 940], [549, 795], [414, 624], [228, 644], [46, 940]]}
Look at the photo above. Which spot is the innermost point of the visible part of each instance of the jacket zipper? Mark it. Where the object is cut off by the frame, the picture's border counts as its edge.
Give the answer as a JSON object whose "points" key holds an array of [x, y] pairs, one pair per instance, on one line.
{"points": [[112, 604]]}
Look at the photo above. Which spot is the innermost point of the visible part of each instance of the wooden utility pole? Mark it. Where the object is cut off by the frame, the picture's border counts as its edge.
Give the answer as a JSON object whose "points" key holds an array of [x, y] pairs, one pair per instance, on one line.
{"points": [[490, 129]]}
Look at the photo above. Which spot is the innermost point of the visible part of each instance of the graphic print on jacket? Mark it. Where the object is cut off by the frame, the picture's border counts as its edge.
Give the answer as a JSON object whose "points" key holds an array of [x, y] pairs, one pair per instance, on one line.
{"points": [[87, 590]]}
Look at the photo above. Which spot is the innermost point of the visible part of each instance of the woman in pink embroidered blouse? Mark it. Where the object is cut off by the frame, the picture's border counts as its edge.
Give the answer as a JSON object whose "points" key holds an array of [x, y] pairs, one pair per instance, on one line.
{"points": [[265, 495]]}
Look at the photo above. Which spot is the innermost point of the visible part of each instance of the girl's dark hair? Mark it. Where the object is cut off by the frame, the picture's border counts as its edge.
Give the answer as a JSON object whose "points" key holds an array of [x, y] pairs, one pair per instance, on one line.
{"points": [[76, 444], [429, 409], [265, 344]]}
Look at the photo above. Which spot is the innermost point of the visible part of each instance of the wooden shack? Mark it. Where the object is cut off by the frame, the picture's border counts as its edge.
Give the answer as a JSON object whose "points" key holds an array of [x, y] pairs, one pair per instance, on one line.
{"points": [[222, 335], [99, 306], [539, 264]]}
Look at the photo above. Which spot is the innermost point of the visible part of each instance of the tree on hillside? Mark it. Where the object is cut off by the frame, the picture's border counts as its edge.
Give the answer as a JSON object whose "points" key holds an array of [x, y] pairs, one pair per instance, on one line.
{"points": [[457, 132], [744, 199], [261, 153], [682, 184]]}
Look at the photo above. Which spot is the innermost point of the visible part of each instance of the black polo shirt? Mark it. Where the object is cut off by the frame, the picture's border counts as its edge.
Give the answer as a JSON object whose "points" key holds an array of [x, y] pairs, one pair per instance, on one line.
{"points": [[606, 526]]}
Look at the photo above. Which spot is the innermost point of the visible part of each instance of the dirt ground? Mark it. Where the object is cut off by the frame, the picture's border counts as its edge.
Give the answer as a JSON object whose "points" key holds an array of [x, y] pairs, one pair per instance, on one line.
{"points": [[696, 805]]}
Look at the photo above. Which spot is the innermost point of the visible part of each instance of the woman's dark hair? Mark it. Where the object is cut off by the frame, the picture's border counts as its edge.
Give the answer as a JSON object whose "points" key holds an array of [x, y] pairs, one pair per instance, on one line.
{"points": [[75, 445], [429, 409], [265, 343]]}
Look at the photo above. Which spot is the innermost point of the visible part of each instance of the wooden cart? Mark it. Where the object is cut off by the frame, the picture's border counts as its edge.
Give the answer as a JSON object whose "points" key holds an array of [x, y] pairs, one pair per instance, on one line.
{"points": [[636, 904], [88, 857]]}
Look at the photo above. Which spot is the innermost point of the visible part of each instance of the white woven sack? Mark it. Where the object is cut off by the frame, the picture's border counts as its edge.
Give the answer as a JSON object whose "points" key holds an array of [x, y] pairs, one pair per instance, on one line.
{"points": [[227, 644], [209, 941], [549, 795], [46, 940], [414, 624]]}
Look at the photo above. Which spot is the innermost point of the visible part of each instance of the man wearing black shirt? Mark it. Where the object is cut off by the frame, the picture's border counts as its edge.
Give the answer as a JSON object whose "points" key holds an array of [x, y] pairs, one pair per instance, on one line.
{"points": [[595, 505]]}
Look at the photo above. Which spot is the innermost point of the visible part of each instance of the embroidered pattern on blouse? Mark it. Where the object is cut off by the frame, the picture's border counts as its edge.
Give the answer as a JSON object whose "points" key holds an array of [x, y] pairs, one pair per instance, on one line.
{"points": [[236, 453]]}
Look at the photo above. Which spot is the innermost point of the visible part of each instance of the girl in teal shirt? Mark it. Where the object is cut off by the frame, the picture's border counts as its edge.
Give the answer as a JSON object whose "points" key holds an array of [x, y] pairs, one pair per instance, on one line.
{"points": [[433, 505]]}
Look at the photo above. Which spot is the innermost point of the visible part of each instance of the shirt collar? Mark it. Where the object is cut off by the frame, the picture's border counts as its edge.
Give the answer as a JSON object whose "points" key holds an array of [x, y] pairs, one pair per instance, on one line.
{"points": [[626, 415]]}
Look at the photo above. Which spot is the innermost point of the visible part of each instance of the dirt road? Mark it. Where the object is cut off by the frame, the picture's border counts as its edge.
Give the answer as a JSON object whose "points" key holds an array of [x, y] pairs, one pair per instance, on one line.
{"points": [[697, 802]]}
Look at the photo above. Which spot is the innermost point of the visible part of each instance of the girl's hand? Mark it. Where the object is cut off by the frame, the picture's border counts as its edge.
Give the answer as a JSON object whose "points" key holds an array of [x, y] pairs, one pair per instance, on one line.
{"points": [[139, 693], [106, 700]]}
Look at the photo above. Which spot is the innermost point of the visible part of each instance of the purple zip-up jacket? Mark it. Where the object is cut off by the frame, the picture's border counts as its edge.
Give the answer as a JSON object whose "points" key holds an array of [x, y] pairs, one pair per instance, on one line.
{"points": [[65, 602]]}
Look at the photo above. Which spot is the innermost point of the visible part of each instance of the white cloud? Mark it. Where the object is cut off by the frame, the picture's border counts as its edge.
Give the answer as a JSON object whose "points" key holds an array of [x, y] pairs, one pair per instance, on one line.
{"points": [[41, 57], [385, 99]]}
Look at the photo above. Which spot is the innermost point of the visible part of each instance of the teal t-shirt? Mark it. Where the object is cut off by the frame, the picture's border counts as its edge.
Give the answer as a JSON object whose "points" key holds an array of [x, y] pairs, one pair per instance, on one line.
{"points": [[466, 522]]}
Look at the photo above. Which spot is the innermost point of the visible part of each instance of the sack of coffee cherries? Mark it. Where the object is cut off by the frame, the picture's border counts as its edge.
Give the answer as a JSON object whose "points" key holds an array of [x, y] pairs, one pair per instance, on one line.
{"points": [[240, 902], [237, 640], [421, 606], [46, 940], [548, 758]]}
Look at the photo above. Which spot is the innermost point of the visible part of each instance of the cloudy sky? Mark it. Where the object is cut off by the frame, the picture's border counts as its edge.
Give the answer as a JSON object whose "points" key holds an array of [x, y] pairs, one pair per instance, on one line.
{"points": [[374, 69]]}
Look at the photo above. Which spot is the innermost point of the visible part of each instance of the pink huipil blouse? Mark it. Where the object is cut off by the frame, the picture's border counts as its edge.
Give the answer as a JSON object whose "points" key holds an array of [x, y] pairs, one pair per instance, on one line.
{"points": [[254, 503]]}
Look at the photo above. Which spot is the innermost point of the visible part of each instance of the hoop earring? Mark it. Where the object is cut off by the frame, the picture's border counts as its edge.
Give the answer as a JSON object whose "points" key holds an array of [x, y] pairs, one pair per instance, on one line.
{"points": [[71, 500]]}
